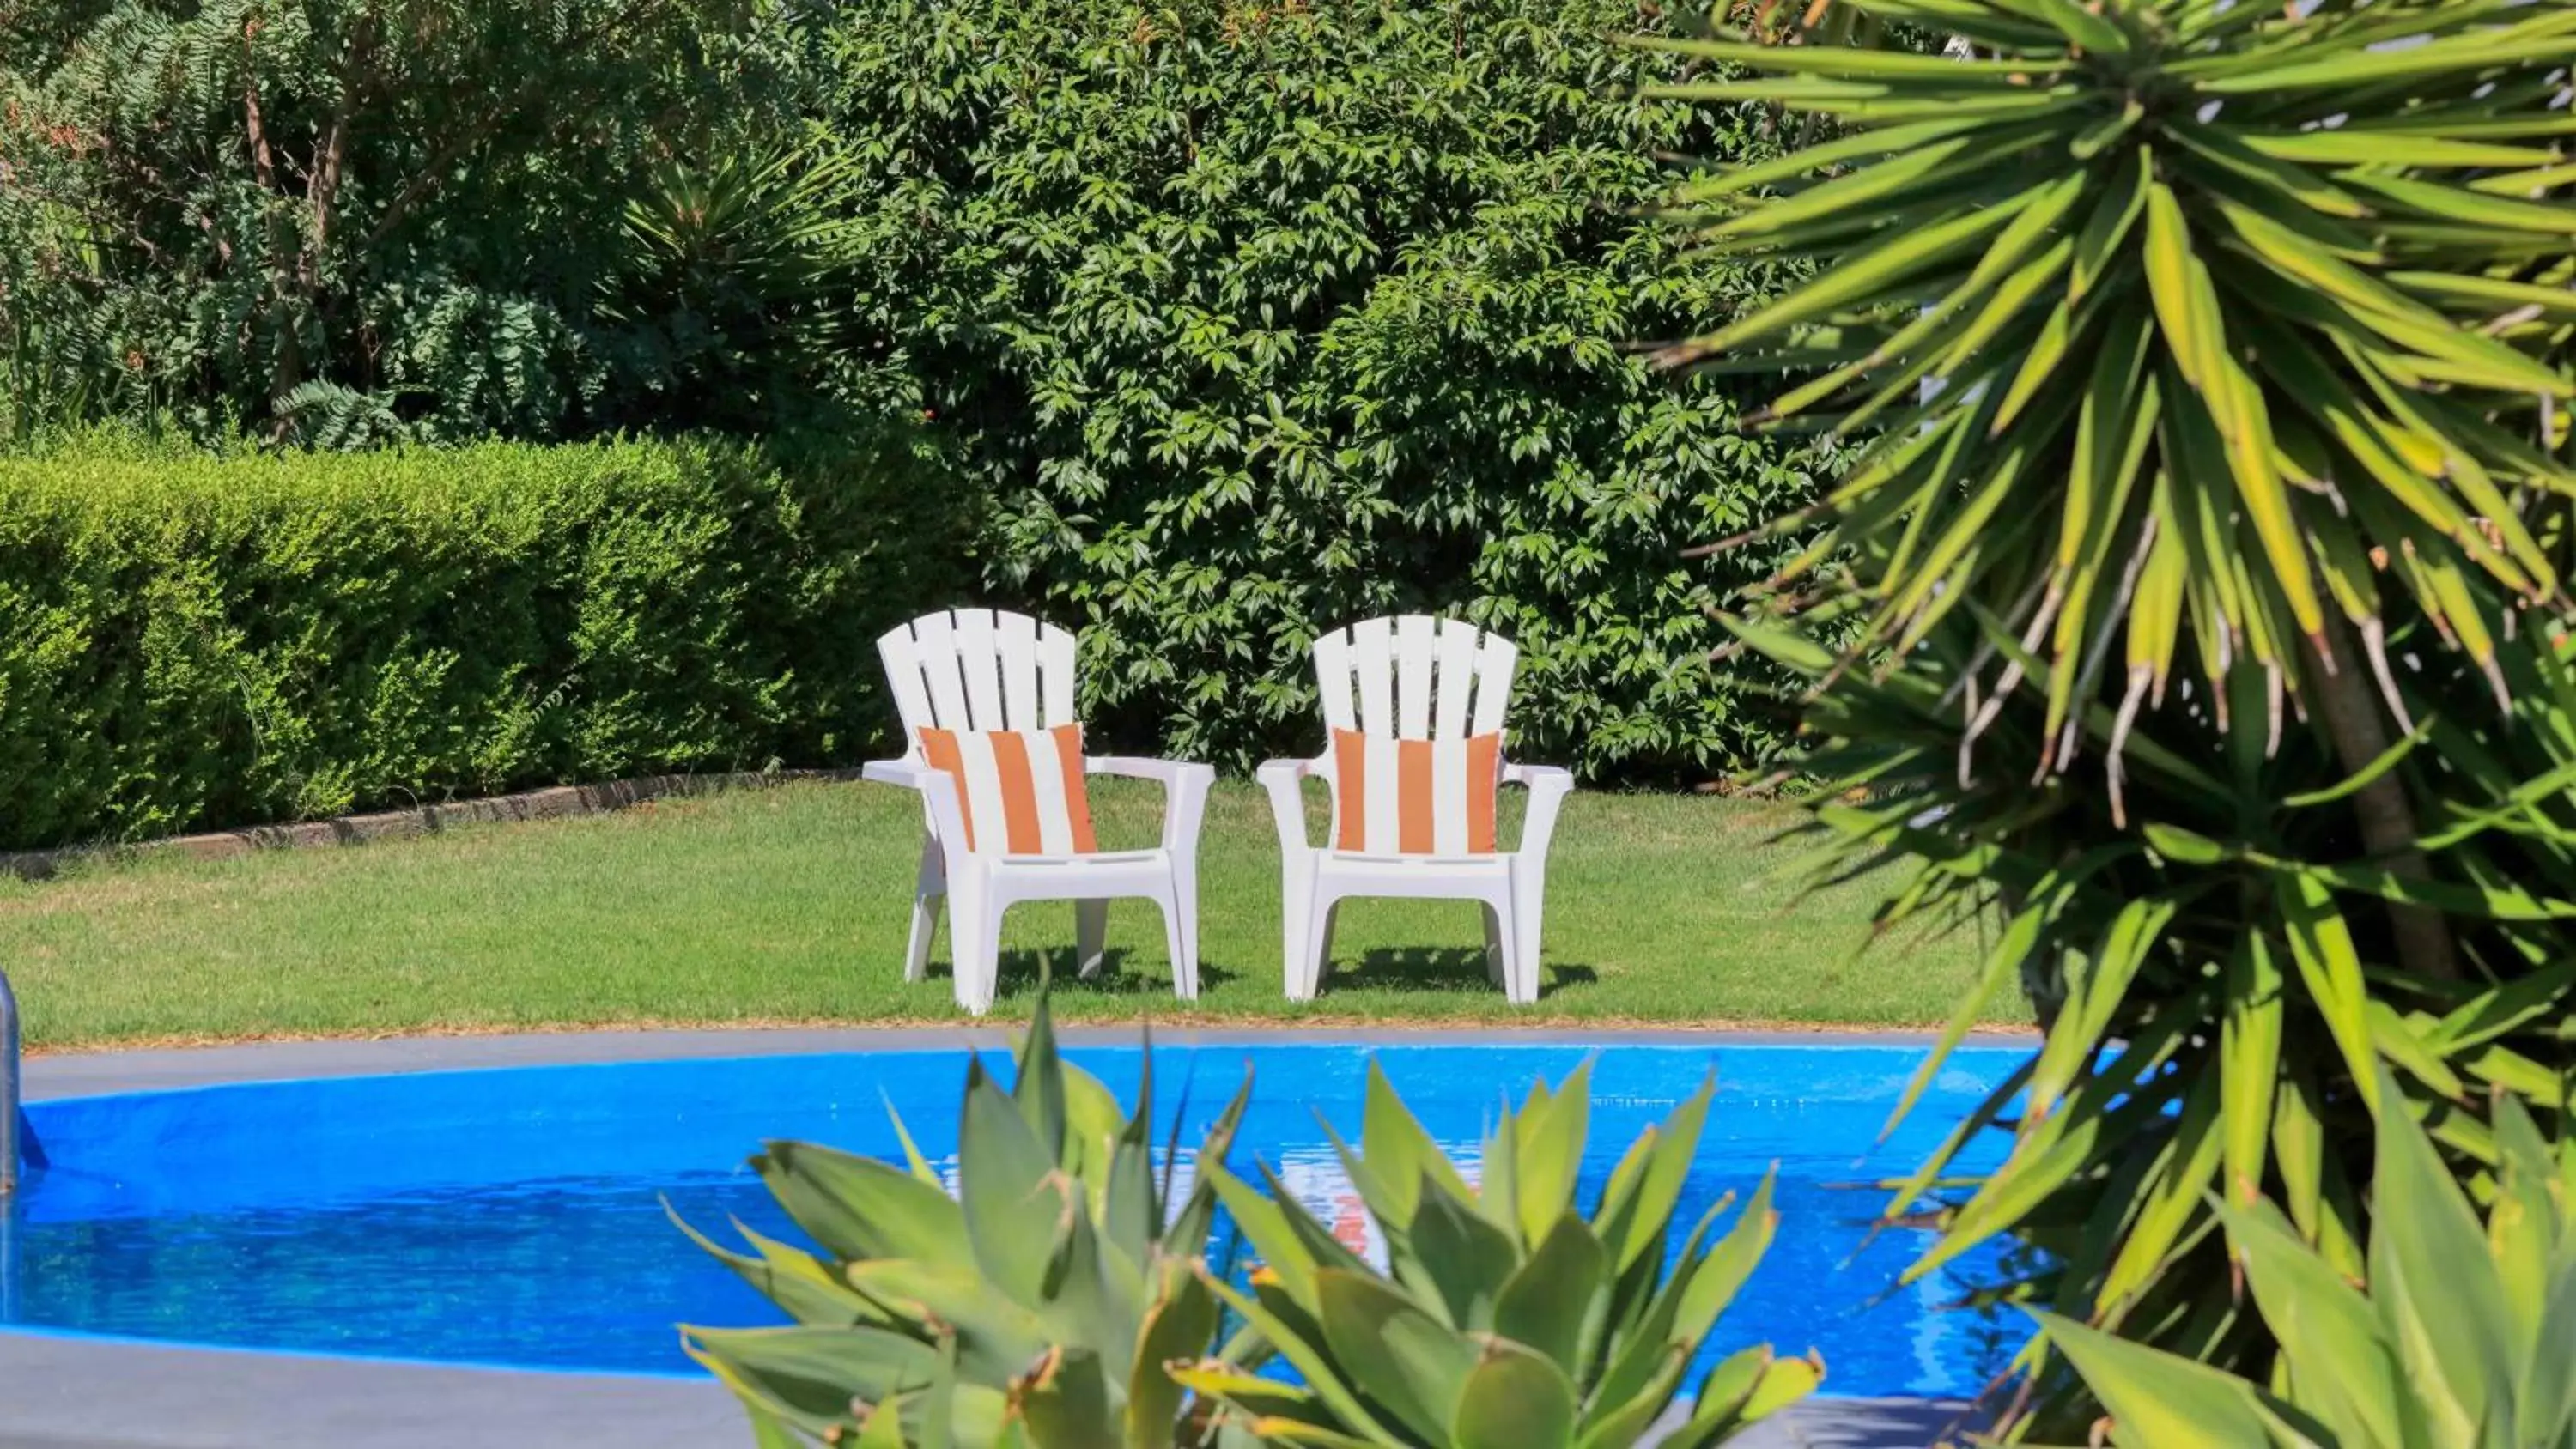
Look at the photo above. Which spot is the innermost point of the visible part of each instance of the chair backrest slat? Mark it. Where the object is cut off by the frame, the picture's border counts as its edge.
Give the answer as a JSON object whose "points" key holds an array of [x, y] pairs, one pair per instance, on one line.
{"points": [[1372, 658], [1018, 637], [1333, 678], [979, 669], [1414, 677], [1413, 663], [1494, 666], [1457, 654], [979, 659]]}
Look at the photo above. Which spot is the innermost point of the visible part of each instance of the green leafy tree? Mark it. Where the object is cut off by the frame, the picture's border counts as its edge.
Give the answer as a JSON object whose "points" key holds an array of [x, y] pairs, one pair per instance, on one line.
{"points": [[1261, 317], [353, 217], [2202, 563]]}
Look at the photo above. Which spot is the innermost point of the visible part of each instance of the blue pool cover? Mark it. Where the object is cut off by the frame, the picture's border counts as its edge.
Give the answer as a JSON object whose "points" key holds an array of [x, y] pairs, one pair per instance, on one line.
{"points": [[515, 1216]]}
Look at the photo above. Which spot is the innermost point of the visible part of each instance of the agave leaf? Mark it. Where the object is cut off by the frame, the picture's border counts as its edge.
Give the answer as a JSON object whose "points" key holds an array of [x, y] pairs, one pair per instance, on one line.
{"points": [[1712, 1283], [917, 1164], [1458, 1256], [1399, 1153], [859, 1208], [807, 1376], [1304, 1346], [1638, 1203], [1179, 1324], [1267, 1224], [1039, 1087], [1065, 1402], [1249, 1393], [1017, 1204], [995, 1338], [787, 1276], [1191, 1224], [1545, 1303], [1547, 1154], [1514, 1398], [1394, 1351]]}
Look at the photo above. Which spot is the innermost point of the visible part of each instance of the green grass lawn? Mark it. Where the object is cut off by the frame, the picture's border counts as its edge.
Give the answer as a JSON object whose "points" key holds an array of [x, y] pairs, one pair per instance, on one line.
{"points": [[788, 905]]}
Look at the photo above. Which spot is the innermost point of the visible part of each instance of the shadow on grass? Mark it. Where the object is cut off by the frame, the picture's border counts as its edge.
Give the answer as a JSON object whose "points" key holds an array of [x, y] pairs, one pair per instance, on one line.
{"points": [[1022, 971], [1410, 970], [1425, 969]]}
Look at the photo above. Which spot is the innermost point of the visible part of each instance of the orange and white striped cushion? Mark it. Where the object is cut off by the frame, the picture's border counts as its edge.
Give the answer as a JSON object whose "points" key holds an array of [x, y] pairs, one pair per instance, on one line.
{"points": [[1415, 797], [1027, 782]]}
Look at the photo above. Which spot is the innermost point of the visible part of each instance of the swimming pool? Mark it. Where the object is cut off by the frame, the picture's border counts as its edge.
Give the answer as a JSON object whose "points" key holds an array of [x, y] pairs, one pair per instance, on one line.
{"points": [[515, 1216]]}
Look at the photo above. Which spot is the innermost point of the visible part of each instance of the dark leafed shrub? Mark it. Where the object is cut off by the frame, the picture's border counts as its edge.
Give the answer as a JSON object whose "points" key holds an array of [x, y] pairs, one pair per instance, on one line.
{"points": [[1261, 318], [196, 640]]}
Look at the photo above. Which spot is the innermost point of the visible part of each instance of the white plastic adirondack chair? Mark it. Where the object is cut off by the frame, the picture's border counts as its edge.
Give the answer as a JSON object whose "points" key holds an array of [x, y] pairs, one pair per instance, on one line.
{"points": [[983, 669], [1422, 679]]}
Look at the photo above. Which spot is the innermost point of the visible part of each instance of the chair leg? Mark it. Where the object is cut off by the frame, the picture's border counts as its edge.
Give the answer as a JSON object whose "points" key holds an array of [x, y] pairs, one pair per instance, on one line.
{"points": [[1529, 908], [1321, 917], [1180, 932], [1494, 971], [1182, 925], [1296, 901], [975, 943], [928, 886], [1091, 936]]}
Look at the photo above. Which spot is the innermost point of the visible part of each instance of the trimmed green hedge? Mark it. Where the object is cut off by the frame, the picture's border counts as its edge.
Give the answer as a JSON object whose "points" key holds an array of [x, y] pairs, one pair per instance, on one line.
{"points": [[201, 641]]}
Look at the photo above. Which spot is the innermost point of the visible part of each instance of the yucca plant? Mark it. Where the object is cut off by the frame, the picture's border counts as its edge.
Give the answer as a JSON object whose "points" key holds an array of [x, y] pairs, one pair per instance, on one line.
{"points": [[2191, 602], [2463, 1335], [1039, 1306], [1508, 1317]]}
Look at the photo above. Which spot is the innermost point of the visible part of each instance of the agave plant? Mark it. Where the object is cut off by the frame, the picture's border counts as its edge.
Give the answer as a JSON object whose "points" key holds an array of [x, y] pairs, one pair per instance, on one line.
{"points": [[2193, 599], [2462, 1337], [1508, 1317], [1039, 1306]]}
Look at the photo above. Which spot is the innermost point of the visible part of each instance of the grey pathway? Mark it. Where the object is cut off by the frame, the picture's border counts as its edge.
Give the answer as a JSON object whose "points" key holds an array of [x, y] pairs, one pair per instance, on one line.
{"points": [[65, 1393]]}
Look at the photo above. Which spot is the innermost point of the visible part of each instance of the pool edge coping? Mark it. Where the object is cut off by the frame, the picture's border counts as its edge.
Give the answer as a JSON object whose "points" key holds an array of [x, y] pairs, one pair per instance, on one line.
{"points": [[54, 1077]]}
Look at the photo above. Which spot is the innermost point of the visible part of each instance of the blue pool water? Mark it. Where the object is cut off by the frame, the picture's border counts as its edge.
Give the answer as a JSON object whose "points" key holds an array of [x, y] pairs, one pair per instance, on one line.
{"points": [[515, 1217]]}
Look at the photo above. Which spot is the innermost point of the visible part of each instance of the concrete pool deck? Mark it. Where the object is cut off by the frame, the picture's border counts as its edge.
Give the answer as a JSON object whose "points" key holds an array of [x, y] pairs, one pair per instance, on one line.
{"points": [[68, 1392]]}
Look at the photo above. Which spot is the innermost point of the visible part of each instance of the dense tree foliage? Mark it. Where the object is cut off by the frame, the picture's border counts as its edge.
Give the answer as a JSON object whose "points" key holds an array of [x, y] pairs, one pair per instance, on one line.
{"points": [[1259, 318], [1234, 321]]}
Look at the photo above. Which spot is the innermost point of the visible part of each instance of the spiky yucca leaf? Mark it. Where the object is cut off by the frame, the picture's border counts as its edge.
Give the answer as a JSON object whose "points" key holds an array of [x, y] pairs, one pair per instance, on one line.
{"points": [[2216, 979], [1508, 1315], [2461, 1334], [2175, 306], [2208, 365]]}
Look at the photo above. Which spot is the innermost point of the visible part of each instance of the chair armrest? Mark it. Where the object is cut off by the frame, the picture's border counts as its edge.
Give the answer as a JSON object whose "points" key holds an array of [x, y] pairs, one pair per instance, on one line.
{"points": [[1287, 802], [1134, 767], [938, 792], [1548, 785], [909, 774], [1539, 777], [1185, 791]]}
